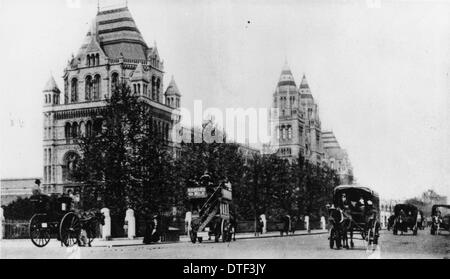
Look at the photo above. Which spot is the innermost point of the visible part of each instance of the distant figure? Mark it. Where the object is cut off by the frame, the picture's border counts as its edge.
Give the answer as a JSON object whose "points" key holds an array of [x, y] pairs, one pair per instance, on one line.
{"points": [[36, 189], [259, 226], [419, 220]]}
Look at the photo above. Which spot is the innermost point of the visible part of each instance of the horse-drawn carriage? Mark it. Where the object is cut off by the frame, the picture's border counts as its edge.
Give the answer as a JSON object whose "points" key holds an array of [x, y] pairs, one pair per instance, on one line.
{"points": [[354, 209], [440, 218], [210, 211], [54, 216], [405, 218]]}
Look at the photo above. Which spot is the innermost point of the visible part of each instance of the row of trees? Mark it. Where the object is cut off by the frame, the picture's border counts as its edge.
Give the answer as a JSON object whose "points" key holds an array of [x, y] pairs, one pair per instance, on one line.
{"points": [[426, 200], [128, 164]]}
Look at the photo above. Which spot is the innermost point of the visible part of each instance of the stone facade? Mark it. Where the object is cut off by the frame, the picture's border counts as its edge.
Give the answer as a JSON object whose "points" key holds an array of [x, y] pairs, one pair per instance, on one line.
{"points": [[297, 124], [337, 158], [113, 52]]}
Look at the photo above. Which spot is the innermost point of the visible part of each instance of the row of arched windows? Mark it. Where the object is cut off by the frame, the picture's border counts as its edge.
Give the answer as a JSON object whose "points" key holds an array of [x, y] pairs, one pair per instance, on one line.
{"points": [[76, 130], [93, 87], [284, 132], [161, 128], [48, 174], [93, 60], [156, 87], [173, 102], [285, 151]]}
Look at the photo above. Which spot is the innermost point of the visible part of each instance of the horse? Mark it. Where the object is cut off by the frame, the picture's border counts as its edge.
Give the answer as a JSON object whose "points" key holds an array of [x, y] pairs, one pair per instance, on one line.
{"points": [[339, 227]]}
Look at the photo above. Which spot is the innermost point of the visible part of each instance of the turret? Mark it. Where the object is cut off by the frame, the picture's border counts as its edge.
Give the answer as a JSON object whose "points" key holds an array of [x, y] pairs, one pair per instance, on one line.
{"points": [[139, 81], [51, 93], [172, 95]]}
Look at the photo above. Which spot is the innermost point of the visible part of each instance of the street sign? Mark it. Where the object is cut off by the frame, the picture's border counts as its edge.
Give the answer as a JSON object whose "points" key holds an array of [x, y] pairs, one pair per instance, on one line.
{"points": [[196, 192]]}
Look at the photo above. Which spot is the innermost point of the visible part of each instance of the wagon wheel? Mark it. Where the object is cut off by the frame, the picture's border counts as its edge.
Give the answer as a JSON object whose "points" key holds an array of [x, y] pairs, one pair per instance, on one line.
{"points": [[38, 230], [69, 229]]}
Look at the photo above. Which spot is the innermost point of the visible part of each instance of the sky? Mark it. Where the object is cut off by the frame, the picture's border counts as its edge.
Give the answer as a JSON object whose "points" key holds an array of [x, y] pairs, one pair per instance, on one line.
{"points": [[377, 69]]}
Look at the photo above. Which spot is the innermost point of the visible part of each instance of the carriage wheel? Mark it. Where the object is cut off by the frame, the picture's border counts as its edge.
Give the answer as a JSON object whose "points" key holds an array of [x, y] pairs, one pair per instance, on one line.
{"points": [[69, 229], [39, 235]]}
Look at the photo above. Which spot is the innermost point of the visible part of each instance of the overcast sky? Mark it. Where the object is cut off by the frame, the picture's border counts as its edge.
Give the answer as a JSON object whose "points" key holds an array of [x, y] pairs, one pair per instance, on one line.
{"points": [[378, 70]]}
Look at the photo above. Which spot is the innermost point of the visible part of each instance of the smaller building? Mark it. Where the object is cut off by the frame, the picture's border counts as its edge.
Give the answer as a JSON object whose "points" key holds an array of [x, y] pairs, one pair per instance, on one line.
{"points": [[386, 210], [14, 188], [337, 158]]}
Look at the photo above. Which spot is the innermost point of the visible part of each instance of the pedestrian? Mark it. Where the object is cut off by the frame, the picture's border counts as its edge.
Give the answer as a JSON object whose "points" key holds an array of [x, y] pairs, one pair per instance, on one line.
{"points": [[259, 226], [148, 226]]}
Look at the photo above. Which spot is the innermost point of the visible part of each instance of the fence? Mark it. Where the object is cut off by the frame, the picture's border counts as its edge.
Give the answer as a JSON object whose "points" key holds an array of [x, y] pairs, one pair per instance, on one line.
{"points": [[16, 229]]}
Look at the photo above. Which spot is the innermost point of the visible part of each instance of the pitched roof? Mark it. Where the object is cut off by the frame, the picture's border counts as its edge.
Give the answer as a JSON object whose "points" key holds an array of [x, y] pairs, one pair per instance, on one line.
{"points": [[116, 33], [172, 89], [139, 73], [286, 78], [51, 86], [304, 83]]}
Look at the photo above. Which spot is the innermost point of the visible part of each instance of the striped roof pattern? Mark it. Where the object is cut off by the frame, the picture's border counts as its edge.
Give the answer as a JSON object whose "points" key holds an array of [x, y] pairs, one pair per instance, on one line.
{"points": [[116, 33], [119, 35], [286, 81]]}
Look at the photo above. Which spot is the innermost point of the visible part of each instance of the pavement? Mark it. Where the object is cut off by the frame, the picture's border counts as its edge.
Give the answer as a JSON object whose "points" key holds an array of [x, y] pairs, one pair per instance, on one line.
{"points": [[119, 242], [302, 245]]}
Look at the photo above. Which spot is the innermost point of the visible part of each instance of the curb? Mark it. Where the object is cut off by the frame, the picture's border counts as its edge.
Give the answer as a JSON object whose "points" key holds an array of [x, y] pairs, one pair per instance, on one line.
{"points": [[178, 242]]}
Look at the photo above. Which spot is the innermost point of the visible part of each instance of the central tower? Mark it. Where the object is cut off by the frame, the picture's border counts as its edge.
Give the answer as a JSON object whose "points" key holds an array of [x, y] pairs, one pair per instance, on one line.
{"points": [[298, 127], [113, 51]]}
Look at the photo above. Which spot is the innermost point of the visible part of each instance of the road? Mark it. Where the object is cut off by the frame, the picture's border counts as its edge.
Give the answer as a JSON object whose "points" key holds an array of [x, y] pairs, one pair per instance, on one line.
{"points": [[423, 245]]}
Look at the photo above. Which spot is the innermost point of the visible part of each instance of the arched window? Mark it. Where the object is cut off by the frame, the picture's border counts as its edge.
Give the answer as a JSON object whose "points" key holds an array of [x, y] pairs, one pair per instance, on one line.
{"points": [[96, 87], [67, 130], [74, 90], [167, 131], [75, 130], [97, 126], [70, 164], [97, 59], [88, 60], [158, 89], [88, 128], [114, 82], [82, 129], [153, 88], [88, 88], [66, 91], [139, 88], [134, 89]]}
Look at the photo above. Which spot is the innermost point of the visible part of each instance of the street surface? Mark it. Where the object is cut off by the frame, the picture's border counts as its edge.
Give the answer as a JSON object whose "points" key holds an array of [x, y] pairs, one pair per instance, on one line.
{"points": [[314, 245]]}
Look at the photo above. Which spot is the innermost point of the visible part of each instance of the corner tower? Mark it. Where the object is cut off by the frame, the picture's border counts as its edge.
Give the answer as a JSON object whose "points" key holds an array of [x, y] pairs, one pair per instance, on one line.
{"points": [[289, 118]]}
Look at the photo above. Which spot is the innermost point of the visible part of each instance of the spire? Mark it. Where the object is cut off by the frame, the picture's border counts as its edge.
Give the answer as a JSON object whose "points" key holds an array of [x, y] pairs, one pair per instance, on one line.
{"points": [[304, 83], [286, 77], [172, 89], [51, 86]]}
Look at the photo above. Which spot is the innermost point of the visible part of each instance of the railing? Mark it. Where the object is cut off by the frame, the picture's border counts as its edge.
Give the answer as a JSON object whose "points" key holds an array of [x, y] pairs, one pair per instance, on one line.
{"points": [[17, 229]]}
